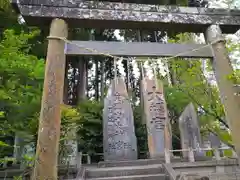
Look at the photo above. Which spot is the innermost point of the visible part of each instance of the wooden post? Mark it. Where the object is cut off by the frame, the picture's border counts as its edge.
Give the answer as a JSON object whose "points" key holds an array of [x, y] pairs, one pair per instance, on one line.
{"points": [[234, 154], [222, 69], [217, 153], [50, 117], [191, 155], [88, 159], [167, 156], [66, 84], [140, 67], [79, 159], [103, 79], [168, 137]]}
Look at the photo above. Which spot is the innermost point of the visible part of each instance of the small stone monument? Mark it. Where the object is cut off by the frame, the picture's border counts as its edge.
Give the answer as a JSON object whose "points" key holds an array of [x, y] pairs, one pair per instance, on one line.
{"points": [[28, 155], [190, 132], [156, 117], [24, 149], [71, 148], [119, 140]]}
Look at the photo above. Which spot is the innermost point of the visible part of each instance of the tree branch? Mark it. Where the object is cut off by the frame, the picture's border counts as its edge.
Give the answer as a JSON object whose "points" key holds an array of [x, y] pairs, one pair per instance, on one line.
{"points": [[205, 110], [228, 144]]}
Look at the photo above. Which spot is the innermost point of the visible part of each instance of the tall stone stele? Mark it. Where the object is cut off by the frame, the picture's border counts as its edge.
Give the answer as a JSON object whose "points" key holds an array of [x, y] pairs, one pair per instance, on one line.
{"points": [[190, 131], [155, 110], [118, 124]]}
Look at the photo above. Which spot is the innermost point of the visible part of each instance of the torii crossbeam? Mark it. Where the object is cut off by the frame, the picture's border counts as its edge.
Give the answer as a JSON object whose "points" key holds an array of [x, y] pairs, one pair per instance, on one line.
{"points": [[95, 14]]}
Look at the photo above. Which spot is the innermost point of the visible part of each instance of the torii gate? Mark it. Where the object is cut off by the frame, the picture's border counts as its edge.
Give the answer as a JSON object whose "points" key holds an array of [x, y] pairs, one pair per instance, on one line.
{"points": [[90, 14]]}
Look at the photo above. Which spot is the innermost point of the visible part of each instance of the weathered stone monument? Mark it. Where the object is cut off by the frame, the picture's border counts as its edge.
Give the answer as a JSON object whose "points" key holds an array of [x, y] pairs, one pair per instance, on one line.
{"points": [[190, 131], [71, 148], [118, 125], [156, 116], [24, 149]]}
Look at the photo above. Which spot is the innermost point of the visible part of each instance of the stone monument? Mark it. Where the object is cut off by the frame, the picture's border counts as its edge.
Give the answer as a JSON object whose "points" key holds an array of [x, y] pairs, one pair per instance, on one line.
{"points": [[118, 124], [156, 117], [71, 148], [190, 132]]}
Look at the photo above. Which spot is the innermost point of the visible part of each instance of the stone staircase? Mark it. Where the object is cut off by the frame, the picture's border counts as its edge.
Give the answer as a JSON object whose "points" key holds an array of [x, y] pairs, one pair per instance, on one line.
{"points": [[127, 170]]}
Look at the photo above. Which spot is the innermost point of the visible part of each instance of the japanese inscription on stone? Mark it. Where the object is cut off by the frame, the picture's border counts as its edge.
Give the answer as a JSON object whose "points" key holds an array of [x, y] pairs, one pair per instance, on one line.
{"points": [[190, 131], [119, 134], [156, 117]]}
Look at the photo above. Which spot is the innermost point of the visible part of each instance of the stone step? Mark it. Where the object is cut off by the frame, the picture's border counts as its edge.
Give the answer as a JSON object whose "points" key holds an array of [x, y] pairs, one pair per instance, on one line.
{"points": [[131, 163], [124, 171], [136, 177]]}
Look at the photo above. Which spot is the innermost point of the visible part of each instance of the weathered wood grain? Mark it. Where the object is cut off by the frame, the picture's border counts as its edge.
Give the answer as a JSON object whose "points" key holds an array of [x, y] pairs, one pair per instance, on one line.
{"points": [[138, 49], [52, 100]]}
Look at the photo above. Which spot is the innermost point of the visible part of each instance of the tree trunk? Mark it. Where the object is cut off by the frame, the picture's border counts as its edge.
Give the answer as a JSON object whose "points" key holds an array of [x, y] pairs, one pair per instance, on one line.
{"points": [[96, 81], [74, 84], [82, 75], [50, 117], [66, 84], [140, 66], [102, 79]]}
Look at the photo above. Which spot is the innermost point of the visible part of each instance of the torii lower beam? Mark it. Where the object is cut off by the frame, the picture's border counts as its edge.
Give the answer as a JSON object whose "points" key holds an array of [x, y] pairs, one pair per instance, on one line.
{"points": [[95, 14], [138, 49]]}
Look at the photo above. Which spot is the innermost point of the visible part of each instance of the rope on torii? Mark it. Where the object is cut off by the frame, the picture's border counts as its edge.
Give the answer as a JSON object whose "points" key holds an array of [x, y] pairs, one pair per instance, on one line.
{"points": [[127, 59]]}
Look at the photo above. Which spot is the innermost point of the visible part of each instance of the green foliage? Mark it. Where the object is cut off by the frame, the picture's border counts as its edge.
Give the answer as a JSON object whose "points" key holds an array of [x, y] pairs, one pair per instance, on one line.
{"points": [[141, 132], [90, 126], [20, 84], [17, 178], [3, 144], [190, 85]]}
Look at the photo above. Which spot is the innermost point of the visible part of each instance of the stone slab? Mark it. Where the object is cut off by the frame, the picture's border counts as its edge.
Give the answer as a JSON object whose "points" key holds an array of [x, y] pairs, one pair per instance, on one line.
{"points": [[120, 141], [90, 14], [124, 171], [190, 131], [224, 162], [155, 110], [137, 177], [141, 162]]}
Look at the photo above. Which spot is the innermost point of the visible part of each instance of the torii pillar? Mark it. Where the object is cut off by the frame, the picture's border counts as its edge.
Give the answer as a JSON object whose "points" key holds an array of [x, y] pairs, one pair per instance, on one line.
{"points": [[223, 69], [50, 117]]}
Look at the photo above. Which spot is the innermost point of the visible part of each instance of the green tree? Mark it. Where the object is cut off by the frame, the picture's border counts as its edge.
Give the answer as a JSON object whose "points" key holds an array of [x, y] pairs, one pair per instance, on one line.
{"points": [[21, 80]]}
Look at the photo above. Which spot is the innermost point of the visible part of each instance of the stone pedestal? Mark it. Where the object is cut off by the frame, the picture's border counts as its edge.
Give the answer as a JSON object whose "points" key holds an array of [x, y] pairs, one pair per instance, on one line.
{"points": [[118, 124], [156, 116]]}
